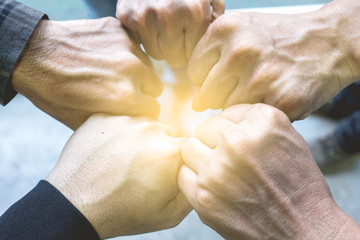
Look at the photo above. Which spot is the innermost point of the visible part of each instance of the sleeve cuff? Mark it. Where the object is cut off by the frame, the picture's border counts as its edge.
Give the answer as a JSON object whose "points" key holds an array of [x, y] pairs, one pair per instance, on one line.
{"points": [[17, 23], [45, 213]]}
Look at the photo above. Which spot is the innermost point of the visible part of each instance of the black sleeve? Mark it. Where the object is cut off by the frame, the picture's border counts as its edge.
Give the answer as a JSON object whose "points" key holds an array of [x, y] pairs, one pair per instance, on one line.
{"points": [[45, 214]]}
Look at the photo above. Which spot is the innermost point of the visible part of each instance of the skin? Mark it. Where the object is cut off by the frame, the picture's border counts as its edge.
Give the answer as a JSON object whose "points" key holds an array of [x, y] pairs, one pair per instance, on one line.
{"points": [[121, 173], [73, 69], [295, 63], [250, 175], [168, 29]]}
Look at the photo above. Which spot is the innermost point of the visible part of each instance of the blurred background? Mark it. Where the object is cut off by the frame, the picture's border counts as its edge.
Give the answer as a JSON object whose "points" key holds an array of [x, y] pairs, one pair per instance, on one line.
{"points": [[31, 141]]}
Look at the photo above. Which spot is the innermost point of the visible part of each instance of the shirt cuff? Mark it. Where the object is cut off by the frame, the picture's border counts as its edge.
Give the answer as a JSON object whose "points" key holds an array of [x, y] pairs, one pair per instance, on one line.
{"points": [[45, 213], [17, 23]]}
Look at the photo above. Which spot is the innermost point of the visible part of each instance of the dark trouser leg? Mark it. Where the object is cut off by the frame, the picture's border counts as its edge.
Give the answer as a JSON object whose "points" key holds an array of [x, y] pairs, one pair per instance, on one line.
{"points": [[347, 133], [346, 102]]}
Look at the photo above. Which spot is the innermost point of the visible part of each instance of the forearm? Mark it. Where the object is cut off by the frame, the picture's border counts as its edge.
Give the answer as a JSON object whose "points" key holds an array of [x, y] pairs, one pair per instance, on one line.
{"points": [[343, 16], [327, 221]]}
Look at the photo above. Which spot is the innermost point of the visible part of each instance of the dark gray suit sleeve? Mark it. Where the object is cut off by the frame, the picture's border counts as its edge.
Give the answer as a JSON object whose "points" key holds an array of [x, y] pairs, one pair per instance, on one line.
{"points": [[44, 213], [17, 23]]}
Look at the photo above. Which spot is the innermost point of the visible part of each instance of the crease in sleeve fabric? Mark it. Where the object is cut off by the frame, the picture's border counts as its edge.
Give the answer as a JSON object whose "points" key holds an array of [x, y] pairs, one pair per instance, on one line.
{"points": [[17, 23]]}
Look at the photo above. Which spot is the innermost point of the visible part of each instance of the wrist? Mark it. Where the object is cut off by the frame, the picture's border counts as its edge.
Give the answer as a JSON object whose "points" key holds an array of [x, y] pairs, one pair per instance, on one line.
{"points": [[75, 187], [327, 221], [29, 58]]}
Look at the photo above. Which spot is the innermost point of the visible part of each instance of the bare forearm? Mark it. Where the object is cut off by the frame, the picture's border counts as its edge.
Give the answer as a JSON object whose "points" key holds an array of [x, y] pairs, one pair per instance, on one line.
{"points": [[344, 18], [328, 221]]}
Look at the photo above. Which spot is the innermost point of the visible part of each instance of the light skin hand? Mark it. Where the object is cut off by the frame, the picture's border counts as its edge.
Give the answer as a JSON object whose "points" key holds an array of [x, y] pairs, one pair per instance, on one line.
{"points": [[168, 29], [121, 173], [74, 69], [250, 175], [293, 62]]}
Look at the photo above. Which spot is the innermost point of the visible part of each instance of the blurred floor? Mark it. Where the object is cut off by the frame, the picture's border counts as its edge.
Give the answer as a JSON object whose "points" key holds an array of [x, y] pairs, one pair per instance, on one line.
{"points": [[31, 142]]}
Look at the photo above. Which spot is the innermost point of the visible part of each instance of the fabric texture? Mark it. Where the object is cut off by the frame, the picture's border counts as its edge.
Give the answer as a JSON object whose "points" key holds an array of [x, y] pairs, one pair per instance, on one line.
{"points": [[347, 133], [45, 214], [17, 23], [346, 106]]}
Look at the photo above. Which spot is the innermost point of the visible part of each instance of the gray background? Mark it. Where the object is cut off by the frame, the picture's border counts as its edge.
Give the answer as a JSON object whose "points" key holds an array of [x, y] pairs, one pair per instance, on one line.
{"points": [[31, 141]]}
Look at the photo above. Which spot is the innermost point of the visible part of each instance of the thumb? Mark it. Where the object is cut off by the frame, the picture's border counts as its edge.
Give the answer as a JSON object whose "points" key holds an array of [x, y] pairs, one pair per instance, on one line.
{"points": [[198, 104]]}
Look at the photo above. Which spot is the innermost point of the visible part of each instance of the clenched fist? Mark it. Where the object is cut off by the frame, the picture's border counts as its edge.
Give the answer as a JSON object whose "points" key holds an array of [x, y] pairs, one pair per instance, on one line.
{"points": [[74, 69], [121, 173], [168, 29], [250, 175], [293, 62]]}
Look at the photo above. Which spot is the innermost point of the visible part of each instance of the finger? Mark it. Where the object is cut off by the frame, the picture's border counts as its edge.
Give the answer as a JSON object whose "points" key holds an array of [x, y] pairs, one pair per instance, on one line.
{"points": [[195, 154], [172, 45], [240, 95], [142, 105], [129, 24], [151, 84], [187, 180], [171, 39], [197, 24], [218, 8], [149, 36], [191, 39], [209, 131], [218, 86], [141, 74], [202, 60], [237, 113], [198, 104], [169, 130], [179, 207], [133, 34]]}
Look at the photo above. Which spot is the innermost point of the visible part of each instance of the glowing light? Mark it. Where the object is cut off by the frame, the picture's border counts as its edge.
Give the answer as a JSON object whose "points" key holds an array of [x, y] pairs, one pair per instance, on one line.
{"points": [[176, 100]]}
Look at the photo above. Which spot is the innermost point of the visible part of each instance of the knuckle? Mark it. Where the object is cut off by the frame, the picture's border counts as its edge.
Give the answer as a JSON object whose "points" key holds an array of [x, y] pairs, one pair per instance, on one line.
{"points": [[225, 24], [214, 178], [126, 91], [203, 200], [129, 17], [207, 124], [272, 116], [200, 9], [235, 140], [165, 8], [238, 145], [245, 51]]}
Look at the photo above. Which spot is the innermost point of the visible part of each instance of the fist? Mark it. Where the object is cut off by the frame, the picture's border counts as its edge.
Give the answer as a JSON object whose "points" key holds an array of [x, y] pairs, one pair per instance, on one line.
{"points": [[250, 175], [74, 69], [121, 173], [168, 29], [263, 58]]}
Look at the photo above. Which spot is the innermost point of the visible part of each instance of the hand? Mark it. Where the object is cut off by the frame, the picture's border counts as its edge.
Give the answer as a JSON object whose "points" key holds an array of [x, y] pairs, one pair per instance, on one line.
{"points": [[250, 175], [168, 29], [121, 173], [293, 62], [76, 68]]}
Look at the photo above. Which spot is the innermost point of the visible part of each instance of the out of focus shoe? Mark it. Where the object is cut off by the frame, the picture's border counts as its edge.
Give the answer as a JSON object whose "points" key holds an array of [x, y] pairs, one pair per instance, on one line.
{"points": [[327, 152], [343, 104]]}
